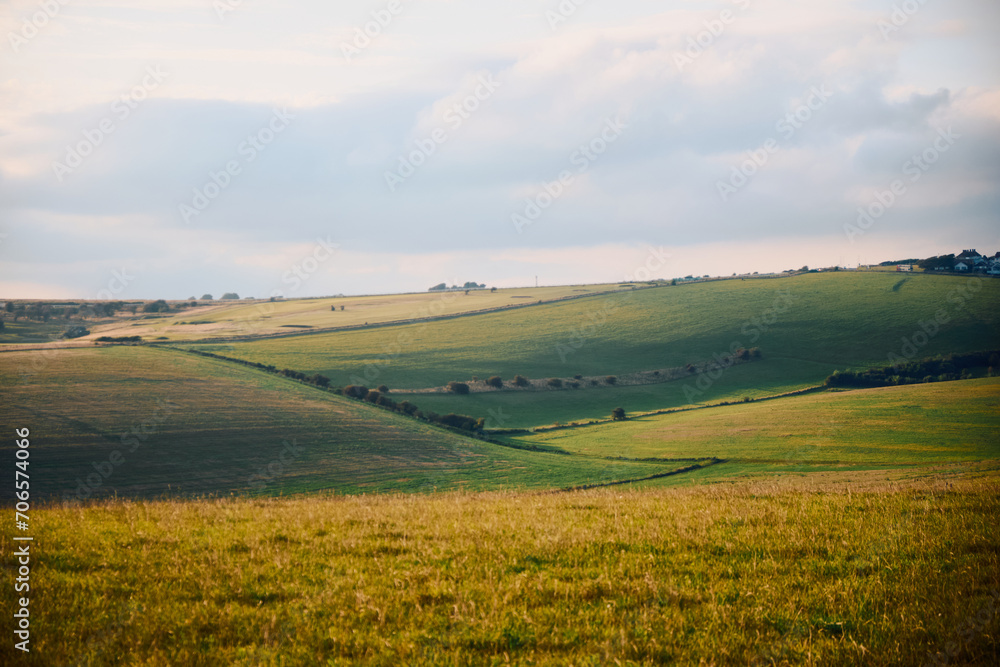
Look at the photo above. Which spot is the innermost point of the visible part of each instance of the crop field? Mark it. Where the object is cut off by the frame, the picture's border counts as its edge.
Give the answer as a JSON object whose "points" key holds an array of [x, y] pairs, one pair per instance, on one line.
{"points": [[262, 317], [806, 327], [147, 422], [891, 574]]}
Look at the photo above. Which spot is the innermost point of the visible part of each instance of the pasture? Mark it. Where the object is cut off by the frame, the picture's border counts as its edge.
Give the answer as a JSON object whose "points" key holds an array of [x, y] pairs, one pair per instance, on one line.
{"points": [[751, 574]]}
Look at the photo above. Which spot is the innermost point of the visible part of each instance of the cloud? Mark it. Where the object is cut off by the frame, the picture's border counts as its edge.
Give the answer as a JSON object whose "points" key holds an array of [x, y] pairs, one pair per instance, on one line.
{"points": [[687, 127]]}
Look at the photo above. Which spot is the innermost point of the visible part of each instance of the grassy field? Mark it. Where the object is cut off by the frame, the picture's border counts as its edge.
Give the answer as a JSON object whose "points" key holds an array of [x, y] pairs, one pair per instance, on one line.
{"points": [[260, 317], [746, 575], [806, 326], [911, 424], [147, 422]]}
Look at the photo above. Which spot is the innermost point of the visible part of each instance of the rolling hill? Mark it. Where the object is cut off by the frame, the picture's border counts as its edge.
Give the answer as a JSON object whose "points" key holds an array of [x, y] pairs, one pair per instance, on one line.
{"points": [[144, 422], [806, 327]]}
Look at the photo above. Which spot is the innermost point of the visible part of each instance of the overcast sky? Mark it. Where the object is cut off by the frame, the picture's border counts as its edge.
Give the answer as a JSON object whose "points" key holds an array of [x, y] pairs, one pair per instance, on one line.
{"points": [[170, 148]]}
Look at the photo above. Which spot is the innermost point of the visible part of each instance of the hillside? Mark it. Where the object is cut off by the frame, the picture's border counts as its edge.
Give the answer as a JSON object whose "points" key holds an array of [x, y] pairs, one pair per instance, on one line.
{"points": [[145, 422], [249, 318], [806, 326]]}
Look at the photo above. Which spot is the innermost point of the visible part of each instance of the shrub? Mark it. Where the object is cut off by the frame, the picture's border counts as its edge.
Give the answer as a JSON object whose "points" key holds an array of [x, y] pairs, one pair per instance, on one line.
{"points": [[356, 391], [521, 381], [458, 387], [618, 414], [554, 382], [594, 383], [384, 389], [611, 379], [495, 381], [158, 306], [577, 377]]}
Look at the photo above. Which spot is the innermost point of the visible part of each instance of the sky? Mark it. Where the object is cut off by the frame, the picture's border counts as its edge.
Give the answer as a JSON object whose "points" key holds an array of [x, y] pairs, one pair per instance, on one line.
{"points": [[168, 149]]}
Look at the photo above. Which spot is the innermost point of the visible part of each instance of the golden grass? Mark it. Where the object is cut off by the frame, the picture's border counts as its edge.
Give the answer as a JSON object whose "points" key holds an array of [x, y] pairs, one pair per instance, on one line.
{"points": [[751, 574]]}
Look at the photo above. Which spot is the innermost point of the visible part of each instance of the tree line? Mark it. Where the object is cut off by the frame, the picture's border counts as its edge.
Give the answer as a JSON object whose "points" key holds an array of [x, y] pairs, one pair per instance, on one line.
{"points": [[932, 369]]}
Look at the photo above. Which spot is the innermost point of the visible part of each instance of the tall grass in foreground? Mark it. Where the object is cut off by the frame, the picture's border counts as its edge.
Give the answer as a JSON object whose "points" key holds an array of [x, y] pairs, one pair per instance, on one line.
{"points": [[738, 575]]}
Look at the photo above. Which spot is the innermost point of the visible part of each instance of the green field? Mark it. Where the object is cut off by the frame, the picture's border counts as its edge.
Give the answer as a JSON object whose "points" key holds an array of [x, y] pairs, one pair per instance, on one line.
{"points": [[806, 326], [747, 575], [921, 424], [260, 520], [182, 424]]}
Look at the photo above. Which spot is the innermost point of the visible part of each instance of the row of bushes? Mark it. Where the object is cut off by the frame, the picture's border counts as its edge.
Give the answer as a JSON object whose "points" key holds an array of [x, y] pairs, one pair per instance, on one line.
{"points": [[359, 392], [119, 339], [933, 369], [378, 397], [520, 381]]}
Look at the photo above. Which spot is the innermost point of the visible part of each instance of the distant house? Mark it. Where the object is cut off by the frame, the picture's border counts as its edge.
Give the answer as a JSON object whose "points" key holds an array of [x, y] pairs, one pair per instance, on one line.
{"points": [[961, 266], [968, 256], [904, 267]]}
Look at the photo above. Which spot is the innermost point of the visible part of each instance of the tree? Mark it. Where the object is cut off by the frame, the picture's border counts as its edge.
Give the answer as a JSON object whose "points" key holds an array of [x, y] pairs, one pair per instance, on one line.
{"points": [[9, 307], [158, 306], [230, 295], [611, 379], [495, 381], [521, 381], [458, 387], [2, 326], [554, 382], [438, 287], [618, 414], [356, 391], [206, 297], [384, 389]]}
